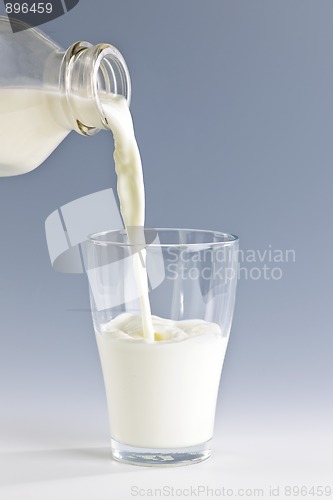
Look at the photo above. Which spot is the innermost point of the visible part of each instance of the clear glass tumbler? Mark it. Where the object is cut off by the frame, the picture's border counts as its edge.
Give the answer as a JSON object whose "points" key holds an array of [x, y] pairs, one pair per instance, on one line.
{"points": [[162, 393]]}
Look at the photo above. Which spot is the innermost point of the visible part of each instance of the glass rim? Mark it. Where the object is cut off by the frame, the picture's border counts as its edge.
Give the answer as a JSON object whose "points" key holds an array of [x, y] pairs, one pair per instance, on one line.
{"points": [[231, 239]]}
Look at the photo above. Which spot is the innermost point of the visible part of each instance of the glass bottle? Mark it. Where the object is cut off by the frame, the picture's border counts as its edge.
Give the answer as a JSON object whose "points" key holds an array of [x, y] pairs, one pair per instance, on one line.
{"points": [[46, 91]]}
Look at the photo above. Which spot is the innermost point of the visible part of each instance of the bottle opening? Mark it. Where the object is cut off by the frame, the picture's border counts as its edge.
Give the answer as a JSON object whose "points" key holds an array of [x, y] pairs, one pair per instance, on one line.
{"points": [[111, 75], [90, 71]]}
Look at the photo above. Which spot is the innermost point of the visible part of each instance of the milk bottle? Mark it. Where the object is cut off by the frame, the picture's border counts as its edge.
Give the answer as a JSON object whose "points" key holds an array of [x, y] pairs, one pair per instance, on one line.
{"points": [[42, 87]]}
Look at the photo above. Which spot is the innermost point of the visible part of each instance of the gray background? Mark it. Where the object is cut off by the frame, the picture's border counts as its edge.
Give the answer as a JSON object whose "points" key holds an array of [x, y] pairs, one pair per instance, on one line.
{"points": [[233, 110]]}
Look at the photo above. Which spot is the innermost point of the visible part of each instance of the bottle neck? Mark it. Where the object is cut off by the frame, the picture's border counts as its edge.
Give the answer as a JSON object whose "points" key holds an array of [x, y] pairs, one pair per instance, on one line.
{"points": [[85, 73]]}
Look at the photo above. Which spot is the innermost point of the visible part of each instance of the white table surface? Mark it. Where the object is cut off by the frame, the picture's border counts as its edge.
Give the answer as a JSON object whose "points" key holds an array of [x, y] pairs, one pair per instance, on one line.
{"points": [[45, 463]]}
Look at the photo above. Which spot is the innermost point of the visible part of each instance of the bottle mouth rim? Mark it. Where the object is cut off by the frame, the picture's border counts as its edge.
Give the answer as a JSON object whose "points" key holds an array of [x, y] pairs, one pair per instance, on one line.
{"points": [[106, 72], [103, 53]]}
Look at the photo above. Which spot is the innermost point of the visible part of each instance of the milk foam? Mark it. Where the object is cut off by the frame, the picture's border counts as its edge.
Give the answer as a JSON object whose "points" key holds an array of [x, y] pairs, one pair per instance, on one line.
{"points": [[129, 326]]}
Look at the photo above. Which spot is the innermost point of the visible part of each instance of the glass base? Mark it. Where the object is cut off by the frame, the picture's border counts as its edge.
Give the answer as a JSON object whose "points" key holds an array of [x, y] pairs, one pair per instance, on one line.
{"points": [[165, 457]]}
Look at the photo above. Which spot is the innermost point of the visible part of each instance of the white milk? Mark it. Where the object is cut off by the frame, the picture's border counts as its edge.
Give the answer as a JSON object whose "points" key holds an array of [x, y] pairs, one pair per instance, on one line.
{"points": [[161, 377], [29, 130], [131, 193], [161, 394]]}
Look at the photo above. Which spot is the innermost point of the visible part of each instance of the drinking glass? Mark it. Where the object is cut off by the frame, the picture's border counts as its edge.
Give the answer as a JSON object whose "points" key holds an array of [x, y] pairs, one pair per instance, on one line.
{"points": [[162, 393]]}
